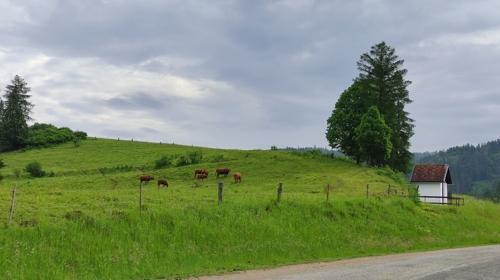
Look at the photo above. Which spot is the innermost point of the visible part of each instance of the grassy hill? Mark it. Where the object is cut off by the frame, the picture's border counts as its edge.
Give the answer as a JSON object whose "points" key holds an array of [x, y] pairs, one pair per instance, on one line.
{"points": [[83, 221]]}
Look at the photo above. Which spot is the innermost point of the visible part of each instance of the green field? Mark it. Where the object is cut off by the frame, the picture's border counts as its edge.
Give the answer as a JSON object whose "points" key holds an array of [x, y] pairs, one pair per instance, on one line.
{"points": [[84, 220]]}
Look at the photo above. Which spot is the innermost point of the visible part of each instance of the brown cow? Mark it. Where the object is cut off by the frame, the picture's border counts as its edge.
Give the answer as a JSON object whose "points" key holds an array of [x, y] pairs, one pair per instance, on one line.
{"points": [[201, 177], [222, 171], [146, 178], [205, 172], [198, 171], [237, 177], [162, 183]]}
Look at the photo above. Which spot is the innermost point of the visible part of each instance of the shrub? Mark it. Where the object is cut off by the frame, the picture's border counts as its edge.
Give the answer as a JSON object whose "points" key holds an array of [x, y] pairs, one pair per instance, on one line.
{"points": [[43, 135], [182, 161], [218, 158], [164, 161], [76, 141], [80, 134], [34, 168], [17, 172], [195, 157], [1, 163]]}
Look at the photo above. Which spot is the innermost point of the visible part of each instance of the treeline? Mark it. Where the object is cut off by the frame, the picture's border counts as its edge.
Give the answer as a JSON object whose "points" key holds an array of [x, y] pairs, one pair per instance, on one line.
{"points": [[474, 170], [15, 113]]}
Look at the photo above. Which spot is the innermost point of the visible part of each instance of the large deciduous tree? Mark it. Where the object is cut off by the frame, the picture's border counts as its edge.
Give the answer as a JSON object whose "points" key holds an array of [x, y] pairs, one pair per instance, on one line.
{"points": [[15, 114], [380, 83], [373, 137], [344, 119]]}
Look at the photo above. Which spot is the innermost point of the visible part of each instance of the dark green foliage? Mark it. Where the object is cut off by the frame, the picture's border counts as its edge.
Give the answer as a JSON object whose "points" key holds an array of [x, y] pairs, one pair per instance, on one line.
{"points": [[382, 78], [380, 83], [34, 168], [344, 119], [2, 164], [43, 135], [274, 148], [15, 114], [195, 157], [218, 158], [182, 161], [80, 134], [373, 137], [164, 161]]}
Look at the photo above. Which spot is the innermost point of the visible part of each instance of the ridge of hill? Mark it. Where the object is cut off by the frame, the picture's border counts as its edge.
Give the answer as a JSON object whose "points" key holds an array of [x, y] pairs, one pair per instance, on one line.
{"points": [[84, 220]]}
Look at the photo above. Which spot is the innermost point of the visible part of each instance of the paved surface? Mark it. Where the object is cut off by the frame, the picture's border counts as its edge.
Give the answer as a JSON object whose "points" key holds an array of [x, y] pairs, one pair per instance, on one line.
{"points": [[465, 263]]}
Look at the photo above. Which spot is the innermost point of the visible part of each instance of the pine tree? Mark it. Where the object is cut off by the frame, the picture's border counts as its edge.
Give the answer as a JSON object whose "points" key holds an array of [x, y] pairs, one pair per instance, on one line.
{"points": [[382, 77], [15, 114]]}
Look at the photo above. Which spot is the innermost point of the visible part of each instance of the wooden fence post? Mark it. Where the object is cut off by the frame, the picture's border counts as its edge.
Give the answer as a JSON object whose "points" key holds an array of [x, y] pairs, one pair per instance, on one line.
{"points": [[12, 204], [280, 189], [388, 190], [221, 187], [140, 197], [367, 191]]}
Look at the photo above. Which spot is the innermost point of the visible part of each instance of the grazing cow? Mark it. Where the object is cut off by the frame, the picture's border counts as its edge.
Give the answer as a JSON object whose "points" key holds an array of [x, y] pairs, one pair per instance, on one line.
{"points": [[222, 171], [205, 172], [146, 178], [201, 177], [198, 171], [162, 183], [237, 177]]}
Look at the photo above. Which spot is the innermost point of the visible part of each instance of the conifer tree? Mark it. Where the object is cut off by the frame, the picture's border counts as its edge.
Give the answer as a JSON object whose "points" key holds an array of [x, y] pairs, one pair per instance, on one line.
{"points": [[15, 114], [380, 83], [382, 76]]}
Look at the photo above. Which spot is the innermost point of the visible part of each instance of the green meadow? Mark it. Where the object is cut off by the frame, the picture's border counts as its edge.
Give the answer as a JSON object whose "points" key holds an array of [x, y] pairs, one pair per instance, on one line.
{"points": [[83, 220]]}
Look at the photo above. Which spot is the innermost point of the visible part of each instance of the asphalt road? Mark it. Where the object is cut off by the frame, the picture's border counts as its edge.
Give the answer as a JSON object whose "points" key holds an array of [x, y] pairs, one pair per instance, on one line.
{"points": [[464, 263]]}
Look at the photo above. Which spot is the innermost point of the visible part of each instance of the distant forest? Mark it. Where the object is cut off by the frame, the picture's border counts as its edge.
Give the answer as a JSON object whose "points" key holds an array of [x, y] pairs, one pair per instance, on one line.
{"points": [[475, 170]]}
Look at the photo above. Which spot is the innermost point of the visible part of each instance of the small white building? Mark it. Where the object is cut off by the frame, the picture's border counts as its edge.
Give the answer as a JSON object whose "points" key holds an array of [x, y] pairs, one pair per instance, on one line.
{"points": [[432, 180]]}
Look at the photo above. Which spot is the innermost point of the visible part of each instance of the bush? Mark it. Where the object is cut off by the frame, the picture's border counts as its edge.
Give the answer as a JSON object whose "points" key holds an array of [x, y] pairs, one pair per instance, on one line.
{"points": [[1, 163], [182, 161], [195, 157], [80, 134], [17, 172], [76, 141], [34, 168], [164, 161], [43, 135]]}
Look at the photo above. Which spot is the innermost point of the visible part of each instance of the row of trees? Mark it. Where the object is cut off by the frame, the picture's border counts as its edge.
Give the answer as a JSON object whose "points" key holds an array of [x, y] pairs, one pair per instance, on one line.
{"points": [[369, 123]]}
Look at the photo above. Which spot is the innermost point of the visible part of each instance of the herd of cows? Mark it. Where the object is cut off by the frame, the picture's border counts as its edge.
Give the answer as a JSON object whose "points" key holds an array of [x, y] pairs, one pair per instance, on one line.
{"points": [[199, 173]]}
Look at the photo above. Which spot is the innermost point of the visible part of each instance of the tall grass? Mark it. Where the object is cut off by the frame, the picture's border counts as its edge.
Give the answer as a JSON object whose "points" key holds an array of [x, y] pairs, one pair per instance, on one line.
{"points": [[81, 224]]}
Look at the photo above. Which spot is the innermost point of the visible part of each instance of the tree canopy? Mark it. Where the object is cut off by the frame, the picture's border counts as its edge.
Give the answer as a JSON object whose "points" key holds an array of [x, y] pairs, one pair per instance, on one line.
{"points": [[380, 83], [15, 114]]}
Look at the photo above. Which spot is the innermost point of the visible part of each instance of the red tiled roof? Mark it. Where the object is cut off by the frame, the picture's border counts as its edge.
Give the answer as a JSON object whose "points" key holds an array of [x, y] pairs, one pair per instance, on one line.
{"points": [[431, 173]]}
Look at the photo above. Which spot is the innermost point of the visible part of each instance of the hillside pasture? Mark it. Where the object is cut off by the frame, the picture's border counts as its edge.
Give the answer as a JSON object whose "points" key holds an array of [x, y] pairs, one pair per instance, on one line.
{"points": [[85, 222]]}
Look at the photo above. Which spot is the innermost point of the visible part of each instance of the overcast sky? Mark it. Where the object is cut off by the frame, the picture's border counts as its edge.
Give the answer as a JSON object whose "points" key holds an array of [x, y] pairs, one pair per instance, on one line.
{"points": [[249, 74]]}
